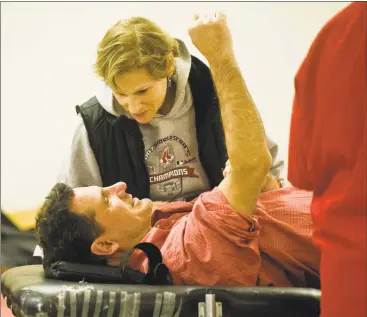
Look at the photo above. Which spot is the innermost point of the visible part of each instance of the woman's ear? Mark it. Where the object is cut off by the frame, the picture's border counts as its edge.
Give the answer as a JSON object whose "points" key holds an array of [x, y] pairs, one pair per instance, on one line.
{"points": [[171, 65], [103, 246]]}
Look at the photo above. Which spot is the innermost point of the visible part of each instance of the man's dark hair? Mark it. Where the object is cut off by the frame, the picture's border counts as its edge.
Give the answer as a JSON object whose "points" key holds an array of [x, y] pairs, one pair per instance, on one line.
{"points": [[64, 235]]}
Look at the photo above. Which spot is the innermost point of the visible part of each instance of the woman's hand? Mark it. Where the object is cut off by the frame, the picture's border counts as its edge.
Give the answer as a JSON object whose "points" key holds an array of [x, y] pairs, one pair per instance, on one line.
{"points": [[227, 169], [270, 183]]}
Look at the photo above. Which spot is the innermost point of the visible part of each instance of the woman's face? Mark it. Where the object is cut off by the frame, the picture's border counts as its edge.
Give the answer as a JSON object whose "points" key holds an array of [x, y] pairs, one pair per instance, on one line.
{"points": [[140, 94]]}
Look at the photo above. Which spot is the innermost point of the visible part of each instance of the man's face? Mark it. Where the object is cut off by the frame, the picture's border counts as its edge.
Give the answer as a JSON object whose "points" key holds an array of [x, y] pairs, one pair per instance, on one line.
{"points": [[140, 94], [124, 219]]}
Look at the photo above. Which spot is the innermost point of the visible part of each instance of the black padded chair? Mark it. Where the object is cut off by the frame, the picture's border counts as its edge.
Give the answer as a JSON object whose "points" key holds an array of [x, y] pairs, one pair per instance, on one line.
{"points": [[29, 293], [16, 246]]}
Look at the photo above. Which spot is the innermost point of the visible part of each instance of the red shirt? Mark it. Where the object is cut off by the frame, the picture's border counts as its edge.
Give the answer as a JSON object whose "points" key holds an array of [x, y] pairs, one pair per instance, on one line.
{"points": [[327, 155], [215, 245]]}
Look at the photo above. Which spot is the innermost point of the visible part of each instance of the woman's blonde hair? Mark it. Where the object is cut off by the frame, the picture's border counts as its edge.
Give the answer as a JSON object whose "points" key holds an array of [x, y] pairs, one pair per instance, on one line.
{"points": [[135, 43]]}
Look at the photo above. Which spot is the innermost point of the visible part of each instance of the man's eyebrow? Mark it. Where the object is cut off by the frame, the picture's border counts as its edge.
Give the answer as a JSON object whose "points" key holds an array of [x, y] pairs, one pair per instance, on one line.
{"points": [[102, 198], [101, 194]]}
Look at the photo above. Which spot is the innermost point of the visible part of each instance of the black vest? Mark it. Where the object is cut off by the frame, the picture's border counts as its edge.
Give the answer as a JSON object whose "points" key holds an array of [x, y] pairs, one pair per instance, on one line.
{"points": [[118, 146]]}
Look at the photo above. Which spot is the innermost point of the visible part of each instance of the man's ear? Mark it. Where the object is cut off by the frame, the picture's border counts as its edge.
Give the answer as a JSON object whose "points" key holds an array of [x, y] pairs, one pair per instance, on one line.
{"points": [[103, 246]]}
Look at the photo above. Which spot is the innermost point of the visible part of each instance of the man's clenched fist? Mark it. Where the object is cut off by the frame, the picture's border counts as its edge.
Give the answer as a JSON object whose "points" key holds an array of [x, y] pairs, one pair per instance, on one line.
{"points": [[211, 35]]}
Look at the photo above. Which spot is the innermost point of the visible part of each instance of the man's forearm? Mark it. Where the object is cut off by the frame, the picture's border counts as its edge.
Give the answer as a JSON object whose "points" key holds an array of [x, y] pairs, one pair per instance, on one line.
{"points": [[244, 131], [245, 137]]}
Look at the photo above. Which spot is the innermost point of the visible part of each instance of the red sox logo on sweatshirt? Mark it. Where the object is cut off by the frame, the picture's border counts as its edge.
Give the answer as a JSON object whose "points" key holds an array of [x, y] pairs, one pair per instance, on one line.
{"points": [[166, 158], [168, 162]]}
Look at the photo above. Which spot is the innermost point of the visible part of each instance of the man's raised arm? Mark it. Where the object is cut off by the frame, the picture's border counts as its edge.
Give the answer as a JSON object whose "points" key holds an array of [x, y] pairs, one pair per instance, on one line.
{"points": [[245, 136]]}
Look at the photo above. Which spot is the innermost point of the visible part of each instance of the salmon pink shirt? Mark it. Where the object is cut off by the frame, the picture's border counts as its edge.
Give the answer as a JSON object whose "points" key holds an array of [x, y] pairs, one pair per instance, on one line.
{"points": [[206, 242]]}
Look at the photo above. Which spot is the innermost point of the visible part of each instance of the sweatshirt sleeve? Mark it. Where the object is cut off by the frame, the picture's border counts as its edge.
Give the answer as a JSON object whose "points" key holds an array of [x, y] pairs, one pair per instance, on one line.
{"points": [[80, 167], [278, 165]]}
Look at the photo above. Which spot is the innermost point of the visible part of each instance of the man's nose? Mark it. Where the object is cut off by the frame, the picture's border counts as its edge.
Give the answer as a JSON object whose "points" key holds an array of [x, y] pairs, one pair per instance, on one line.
{"points": [[118, 189]]}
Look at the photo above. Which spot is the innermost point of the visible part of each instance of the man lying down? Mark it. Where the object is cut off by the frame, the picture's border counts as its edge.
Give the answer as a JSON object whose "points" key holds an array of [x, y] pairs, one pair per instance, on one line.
{"points": [[242, 233]]}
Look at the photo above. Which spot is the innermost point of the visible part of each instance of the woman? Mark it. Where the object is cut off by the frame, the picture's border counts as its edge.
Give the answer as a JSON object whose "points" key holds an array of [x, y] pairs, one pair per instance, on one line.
{"points": [[155, 124]]}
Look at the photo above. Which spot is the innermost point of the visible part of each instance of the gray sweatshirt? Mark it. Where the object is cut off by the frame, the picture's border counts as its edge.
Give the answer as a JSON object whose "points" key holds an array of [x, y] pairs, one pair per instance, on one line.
{"points": [[171, 148]]}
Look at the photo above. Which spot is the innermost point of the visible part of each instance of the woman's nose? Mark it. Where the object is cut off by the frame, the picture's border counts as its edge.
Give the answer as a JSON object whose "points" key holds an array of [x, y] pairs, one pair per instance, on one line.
{"points": [[135, 106]]}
